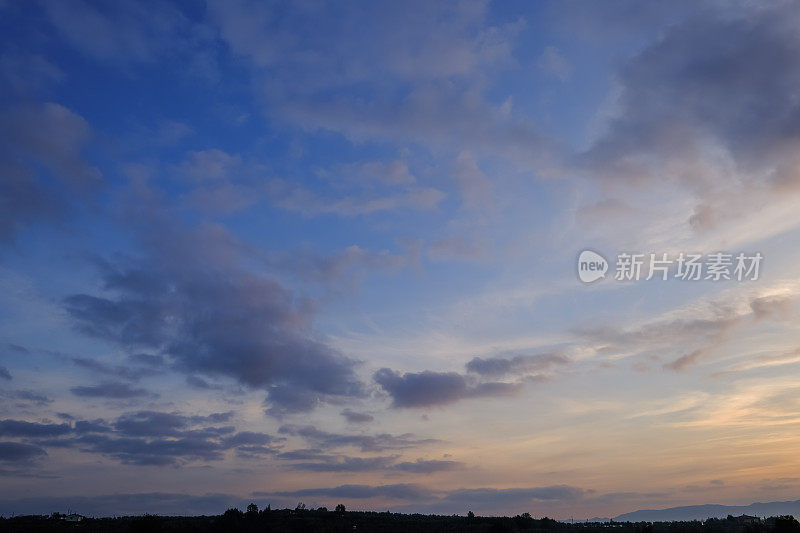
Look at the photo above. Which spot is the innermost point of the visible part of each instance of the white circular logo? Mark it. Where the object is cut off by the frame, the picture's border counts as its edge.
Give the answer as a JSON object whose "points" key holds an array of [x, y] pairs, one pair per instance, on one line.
{"points": [[591, 266]]}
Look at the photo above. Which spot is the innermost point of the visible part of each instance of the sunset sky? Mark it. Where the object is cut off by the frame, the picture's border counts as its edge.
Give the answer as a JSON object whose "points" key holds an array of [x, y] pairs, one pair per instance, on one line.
{"points": [[327, 252]]}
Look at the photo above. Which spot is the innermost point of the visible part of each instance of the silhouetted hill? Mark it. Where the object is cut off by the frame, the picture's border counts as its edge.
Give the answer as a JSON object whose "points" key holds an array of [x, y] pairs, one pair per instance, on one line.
{"points": [[701, 512]]}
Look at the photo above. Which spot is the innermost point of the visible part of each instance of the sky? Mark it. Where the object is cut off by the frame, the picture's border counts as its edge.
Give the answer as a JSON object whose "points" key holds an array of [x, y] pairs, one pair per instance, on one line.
{"points": [[327, 252]]}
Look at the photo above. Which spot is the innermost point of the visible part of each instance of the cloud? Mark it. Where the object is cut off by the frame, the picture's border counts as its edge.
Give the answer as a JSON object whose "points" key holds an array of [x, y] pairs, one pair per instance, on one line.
{"points": [[775, 306], [476, 188], [148, 438], [17, 349], [47, 136], [691, 334], [26, 396], [428, 389], [151, 424], [423, 499], [314, 460], [248, 438], [350, 264], [22, 428], [94, 426], [17, 452], [26, 73], [354, 417], [309, 203], [147, 359], [366, 443], [210, 164], [199, 383], [418, 43], [456, 248], [516, 364], [553, 63], [120, 34], [762, 361], [110, 389], [410, 75], [421, 466], [399, 491], [148, 452], [674, 121], [437, 116], [191, 299], [685, 361], [346, 464], [119, 371], [389, 173], [4, 373], [222, 198], [54, 135]]}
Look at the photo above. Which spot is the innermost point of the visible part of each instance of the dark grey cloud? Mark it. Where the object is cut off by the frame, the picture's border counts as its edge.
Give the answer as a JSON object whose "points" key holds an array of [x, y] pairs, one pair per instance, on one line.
{"points": [[422, 466], [92, 426], [285, 399], [44, 136], [675, 119], [355, 417], [252, 451], [113, 390], [191, 299], [148, 437], [399, 491], [18, 452], [4, 373], [23, 396], [516, 364], [366, 443], [316, 460], [428, 389], [418, 498], [151, 452], [213, 418], [160, 424], [248, 438], [17, 349], [22, 428], [151, 424], [307, 454], [347, 464]]}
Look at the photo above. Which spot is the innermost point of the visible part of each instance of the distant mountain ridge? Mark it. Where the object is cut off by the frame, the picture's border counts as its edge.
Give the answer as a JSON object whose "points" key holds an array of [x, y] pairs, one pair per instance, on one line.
{"points": [[701, 512]]}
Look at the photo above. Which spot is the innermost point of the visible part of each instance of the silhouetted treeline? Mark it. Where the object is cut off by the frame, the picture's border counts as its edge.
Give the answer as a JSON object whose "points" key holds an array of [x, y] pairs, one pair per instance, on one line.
{"points": [[321, 520]]}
